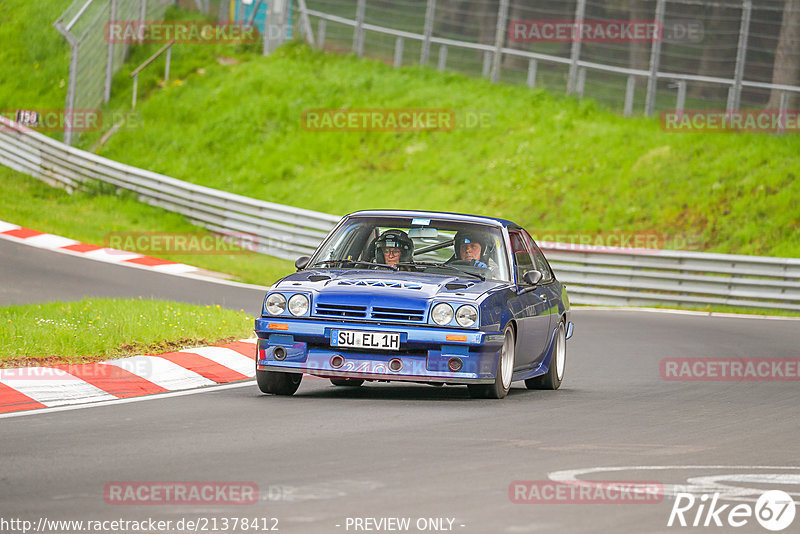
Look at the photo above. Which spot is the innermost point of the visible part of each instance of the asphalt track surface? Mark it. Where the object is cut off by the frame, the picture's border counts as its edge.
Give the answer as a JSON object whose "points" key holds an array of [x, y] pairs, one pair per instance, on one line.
{"points": [[415, 451]]}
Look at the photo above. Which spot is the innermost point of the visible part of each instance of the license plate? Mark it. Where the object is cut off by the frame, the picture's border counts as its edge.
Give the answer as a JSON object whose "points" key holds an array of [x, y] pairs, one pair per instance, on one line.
{"points": [[365, 340]]}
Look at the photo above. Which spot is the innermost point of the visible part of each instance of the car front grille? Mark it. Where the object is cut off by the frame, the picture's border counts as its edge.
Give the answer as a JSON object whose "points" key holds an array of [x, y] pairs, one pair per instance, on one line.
{"points": [[374, 313], [341, 310], [397, 314]]}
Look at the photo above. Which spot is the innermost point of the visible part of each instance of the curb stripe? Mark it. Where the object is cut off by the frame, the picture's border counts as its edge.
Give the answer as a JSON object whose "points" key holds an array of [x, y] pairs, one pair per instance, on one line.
{"points": [[112, 379], [57, 388], [203, 366], [148, 261], [82, 248], [47, 241], [245, 348], [228, 358], [162, 372], [22, 233], [12, 400]]}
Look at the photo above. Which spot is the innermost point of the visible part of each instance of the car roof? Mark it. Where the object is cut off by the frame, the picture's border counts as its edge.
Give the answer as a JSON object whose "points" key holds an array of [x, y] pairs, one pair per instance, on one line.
{"points": [[494, 221]]}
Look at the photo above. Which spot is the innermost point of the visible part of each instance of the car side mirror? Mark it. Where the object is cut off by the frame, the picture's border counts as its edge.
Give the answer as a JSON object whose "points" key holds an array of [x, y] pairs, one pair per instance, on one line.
{"points": [[532, 277], [301, 262]]}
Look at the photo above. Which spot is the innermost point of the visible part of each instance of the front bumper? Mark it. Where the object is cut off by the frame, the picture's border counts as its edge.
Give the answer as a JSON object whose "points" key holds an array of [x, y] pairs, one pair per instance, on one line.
{"points": [[423, 356]]}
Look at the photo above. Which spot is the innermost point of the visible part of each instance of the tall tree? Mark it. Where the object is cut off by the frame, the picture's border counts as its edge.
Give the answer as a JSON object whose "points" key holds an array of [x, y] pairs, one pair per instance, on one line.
{"points": [[786, 67]]}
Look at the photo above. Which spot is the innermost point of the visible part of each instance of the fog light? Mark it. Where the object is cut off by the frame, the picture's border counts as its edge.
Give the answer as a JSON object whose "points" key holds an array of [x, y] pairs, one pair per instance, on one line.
{"points": [[455, 364], [337, 361], [395, 364], [279, 353]]}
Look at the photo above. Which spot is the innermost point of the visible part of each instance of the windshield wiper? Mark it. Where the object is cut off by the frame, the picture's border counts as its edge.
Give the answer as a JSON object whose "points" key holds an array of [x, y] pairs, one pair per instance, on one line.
{"points": [[443, 265], [356, 262]]}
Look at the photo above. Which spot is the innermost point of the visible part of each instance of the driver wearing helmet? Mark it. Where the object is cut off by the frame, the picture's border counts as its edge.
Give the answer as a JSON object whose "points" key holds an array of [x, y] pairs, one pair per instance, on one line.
{"points": [[474, 247], [393, 247]]}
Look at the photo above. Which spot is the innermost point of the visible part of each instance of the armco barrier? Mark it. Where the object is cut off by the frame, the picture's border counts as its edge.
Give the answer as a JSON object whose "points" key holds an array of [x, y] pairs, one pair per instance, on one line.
{"points": [[595, 275], [282, 231]]}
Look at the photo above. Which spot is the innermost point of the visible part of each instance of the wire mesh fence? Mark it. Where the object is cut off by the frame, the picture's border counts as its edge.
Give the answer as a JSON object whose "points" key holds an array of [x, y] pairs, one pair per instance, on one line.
{"points": [[94, 59], [635, 56], [724, 55]]}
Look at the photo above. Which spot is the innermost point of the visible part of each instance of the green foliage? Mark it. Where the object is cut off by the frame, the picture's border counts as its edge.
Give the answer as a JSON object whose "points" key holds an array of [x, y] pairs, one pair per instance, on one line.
{"points": [[97, 329], [550, 163], [91, 216]]}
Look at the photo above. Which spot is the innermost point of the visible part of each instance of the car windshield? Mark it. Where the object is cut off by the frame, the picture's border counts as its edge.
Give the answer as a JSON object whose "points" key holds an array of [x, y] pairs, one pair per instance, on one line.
{"points": [[437, 246]]}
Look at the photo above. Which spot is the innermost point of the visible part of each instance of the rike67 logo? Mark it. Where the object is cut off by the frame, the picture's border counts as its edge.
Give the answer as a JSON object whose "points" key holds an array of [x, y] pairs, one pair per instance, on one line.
{"points": [[774, 510]]}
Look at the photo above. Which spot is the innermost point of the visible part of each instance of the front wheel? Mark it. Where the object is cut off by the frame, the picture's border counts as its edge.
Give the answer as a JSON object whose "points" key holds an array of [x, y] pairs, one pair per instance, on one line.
{"points": [[555, 374], [277, 383], [505, 368]]}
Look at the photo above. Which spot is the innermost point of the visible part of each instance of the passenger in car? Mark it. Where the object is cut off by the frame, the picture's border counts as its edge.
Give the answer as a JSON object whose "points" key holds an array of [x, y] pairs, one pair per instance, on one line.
{"points": [[474, 247], [393, 247]]}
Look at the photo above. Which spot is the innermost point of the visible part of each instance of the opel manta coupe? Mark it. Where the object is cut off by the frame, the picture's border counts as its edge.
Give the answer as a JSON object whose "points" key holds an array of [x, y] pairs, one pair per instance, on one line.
{"points": [[429, 297]]}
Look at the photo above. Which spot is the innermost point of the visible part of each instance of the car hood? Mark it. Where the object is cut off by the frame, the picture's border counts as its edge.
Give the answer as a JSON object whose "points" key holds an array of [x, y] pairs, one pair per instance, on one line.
{"points": [[390, 283]]}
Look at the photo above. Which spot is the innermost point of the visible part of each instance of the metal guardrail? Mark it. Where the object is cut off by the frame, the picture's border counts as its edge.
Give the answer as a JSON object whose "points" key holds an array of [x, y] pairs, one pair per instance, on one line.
{"points": [[595, 275], [644, 277], [277, 230]]}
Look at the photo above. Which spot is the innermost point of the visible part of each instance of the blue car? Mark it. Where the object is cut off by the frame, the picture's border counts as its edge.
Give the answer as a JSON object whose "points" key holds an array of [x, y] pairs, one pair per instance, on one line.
{"points": [[429, 297]]}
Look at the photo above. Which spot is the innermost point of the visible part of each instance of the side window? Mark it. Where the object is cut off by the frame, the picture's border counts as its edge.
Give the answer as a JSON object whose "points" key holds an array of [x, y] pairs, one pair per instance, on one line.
{"points": [[541, 265], [521, 248]]}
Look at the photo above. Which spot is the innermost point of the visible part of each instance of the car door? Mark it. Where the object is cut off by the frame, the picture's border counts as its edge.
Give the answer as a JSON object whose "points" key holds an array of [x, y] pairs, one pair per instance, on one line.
{"points": [[530, 307], [551, 288]]}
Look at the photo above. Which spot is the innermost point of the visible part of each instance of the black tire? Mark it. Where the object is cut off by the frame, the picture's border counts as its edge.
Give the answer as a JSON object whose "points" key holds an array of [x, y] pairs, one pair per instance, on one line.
{"points": [[555, 374], [505, 370], [347, 382], [278, 383]]}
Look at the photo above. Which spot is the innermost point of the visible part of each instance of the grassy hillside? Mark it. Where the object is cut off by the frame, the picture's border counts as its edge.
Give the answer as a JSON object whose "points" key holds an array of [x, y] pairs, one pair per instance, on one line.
{"points": [[92, 216], [34, 57], [231, 119], [548, 162]]}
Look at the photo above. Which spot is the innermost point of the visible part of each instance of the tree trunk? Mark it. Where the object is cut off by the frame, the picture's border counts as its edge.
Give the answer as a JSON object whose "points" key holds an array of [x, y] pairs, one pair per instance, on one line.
{"points": [[786, 68]]}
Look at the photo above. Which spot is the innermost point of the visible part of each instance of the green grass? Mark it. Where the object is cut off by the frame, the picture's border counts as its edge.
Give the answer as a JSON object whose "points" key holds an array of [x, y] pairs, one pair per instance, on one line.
{"points": [[90, 216], [99, 329], [33, 55], [550, 163]]}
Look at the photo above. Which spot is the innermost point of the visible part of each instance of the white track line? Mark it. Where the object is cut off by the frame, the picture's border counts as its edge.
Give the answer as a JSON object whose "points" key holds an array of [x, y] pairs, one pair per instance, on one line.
{"points": [[156, 396]]}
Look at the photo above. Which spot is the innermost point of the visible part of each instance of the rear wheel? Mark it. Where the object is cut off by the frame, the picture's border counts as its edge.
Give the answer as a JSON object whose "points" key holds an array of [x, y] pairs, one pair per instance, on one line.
{"points": [[505, 368], [555, 374], [277, 383], [348, 382]]}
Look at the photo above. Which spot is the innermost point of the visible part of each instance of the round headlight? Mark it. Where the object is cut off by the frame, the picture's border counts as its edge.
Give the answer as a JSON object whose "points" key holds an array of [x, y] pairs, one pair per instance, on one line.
{"points": [[276, 304], [466, 315], [298, 305], [442, 313]]}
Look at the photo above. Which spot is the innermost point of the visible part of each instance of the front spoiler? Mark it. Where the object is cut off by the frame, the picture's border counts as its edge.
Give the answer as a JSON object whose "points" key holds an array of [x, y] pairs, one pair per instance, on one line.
{"points": [[444, 378]]}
